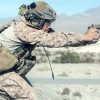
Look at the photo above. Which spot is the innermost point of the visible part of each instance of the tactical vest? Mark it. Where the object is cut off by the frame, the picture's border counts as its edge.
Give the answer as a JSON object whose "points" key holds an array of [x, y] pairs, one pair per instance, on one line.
{"points": [[25, 59], [21, 50]]}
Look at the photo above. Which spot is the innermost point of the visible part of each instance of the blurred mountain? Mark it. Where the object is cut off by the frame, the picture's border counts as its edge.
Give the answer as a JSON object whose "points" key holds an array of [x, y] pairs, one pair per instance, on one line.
{"points": [[4, 20], [77, 22], [94, 11]]}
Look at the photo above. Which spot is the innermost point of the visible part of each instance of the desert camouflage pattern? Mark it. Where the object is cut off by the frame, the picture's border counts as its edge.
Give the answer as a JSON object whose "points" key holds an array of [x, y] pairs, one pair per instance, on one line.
{"points": [[12, 83], [7, 60], [41, 38], [15, 87]]}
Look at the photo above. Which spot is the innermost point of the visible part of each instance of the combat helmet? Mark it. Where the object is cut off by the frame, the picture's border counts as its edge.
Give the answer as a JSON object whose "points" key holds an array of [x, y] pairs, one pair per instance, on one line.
{"points": [[37, 13]]}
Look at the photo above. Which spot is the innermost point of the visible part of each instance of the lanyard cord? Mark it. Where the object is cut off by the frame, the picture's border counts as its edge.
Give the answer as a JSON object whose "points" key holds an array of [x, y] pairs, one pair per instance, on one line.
{"points": [[49, 63]]}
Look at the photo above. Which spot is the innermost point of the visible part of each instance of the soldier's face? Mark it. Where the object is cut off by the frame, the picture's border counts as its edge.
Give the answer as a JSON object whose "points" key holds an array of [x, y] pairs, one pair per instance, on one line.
{"points": [[46, 27]]}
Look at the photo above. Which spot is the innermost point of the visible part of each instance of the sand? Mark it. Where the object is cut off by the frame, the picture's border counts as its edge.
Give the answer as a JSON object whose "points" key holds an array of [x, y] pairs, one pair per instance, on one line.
{"points": [[68, 84]]}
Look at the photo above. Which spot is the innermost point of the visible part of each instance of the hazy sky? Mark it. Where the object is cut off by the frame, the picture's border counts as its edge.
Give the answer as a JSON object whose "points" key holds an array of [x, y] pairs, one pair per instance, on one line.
{"points": [[9, 8]]}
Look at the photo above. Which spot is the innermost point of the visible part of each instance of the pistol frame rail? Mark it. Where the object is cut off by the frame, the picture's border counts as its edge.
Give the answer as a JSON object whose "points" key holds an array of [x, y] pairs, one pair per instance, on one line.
{"points": [[97, 26]]}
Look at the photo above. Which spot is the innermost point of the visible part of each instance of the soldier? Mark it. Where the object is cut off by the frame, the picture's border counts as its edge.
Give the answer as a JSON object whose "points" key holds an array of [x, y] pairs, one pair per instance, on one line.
{"points": [[21, 37]]}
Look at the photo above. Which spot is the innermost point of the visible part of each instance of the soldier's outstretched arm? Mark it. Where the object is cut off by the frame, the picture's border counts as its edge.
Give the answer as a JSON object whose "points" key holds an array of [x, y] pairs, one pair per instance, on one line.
{"points": [[54, 39]]}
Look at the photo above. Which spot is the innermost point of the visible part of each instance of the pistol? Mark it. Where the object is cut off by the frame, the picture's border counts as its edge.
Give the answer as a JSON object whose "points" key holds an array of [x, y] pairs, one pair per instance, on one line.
{"points": [[97, 26]]}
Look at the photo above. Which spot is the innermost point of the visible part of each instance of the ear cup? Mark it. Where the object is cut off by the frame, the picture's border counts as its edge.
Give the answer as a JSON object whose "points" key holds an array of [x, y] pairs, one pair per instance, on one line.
{"points": [[32, 5], [41, 23]]}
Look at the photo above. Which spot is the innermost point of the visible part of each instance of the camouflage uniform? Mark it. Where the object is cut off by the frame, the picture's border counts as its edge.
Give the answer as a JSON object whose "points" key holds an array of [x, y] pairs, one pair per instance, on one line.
{"points": [[22, 34], [53, 39], [21, 39], [15, 88]]}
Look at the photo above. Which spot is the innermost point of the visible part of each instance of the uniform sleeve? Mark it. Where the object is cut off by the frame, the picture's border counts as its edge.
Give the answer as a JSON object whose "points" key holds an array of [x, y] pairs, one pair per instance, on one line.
{"points": [[54, 39]]}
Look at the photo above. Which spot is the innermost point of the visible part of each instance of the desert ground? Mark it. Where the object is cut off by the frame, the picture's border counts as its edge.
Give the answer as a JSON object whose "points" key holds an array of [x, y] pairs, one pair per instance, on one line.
{"points": [[72, 81]]}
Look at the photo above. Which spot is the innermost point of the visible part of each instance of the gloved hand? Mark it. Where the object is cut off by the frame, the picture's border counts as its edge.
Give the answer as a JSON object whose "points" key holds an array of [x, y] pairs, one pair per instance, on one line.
{"points": [[91, 35]]}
